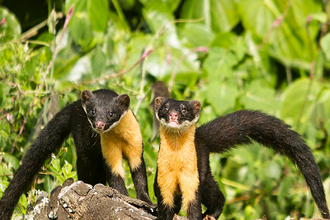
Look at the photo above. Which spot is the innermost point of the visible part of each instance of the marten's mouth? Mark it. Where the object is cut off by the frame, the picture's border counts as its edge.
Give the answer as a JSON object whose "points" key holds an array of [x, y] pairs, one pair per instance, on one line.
{"points": [[173, 122]]}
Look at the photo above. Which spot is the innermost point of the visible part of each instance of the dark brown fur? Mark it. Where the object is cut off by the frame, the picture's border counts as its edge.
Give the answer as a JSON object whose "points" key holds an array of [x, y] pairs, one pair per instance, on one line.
{"points": [[223, 134], [91, 167]]}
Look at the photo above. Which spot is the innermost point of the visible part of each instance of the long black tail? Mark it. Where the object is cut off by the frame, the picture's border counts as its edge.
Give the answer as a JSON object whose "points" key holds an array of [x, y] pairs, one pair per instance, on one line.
{"points": [[49, 139], [243, 127]]}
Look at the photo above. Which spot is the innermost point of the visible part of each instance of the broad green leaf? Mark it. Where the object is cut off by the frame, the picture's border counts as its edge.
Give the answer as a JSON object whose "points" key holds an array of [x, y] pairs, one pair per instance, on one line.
{"points": [[161, 22], [11, 28], [319, 16], [56, 165], [68, 172], [231, 42], [79, 6], [222, 96], [256, 16], [260, 96], [218, 15], [98, 61], [12, 160], [196, 34], [98, 14], [219, 63], [325, 45], [5, 171], [286, 35], [81, 29], [322, 107], [296, 102], [224, 40], [172, 4]]}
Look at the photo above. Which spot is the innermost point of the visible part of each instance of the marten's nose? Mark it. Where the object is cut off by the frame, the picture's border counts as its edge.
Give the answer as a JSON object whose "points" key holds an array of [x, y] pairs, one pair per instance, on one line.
{"points": [[173, 115], [99, 125]]}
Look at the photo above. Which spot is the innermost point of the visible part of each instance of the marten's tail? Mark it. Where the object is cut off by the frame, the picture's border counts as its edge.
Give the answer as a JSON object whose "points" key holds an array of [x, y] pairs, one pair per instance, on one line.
{"points": [[243, 127], [49, 139]]}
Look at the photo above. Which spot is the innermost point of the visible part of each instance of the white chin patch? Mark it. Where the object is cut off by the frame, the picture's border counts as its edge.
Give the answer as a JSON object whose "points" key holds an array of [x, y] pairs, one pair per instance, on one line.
{"points": [[175, 126], [173, 123]]}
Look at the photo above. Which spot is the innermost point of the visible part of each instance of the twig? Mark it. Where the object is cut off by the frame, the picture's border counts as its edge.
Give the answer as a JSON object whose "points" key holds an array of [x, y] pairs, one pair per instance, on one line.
{"points": [[46, 73], [60, 40], [34, 30], [278, 21], [113, 75]]}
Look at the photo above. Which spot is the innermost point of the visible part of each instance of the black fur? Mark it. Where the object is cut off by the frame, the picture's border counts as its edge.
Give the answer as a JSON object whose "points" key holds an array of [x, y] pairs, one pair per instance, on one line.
{"points": [[91, 167], [230, 131]]}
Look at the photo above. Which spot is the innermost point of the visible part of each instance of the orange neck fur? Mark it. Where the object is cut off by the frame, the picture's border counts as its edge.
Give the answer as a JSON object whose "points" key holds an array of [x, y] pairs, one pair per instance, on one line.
{"points": [[124, 140], [177, 166]]}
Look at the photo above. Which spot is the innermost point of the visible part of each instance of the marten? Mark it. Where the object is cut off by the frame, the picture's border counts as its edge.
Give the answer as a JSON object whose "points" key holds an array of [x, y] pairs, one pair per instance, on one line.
{"points": [[183, 176], [99, 118]]}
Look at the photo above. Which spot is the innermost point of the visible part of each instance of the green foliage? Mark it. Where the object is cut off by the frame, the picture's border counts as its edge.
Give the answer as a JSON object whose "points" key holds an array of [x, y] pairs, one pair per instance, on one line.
{"points": [[230, 55]]}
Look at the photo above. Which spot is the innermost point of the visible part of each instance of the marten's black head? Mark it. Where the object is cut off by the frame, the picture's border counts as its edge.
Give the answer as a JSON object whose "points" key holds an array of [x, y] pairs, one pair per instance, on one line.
{"points": [[176, 115], [104, 108]]}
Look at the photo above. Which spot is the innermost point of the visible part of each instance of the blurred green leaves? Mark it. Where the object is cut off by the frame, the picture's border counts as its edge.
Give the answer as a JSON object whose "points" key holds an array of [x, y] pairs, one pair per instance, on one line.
{"points": [[269, 55], [9, 28]]}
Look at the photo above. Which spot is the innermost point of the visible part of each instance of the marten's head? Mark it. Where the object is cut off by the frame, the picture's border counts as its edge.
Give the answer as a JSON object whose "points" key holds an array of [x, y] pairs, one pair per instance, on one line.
{"points": [[175, 115], [104, 108]]}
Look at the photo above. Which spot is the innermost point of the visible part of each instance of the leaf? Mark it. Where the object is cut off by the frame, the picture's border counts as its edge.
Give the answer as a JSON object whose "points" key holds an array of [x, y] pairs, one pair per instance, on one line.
{"points": [[98, 61], [196, 34], [222, 96], [56, 165], [49, 183], [219, 63], [98, 14], [260, 96], [325, 45], [160, 20], [283, 190], [231, 42], [218, 15], [81, 29], [10, 28], [286, 35], [12, 160], [171, 4], [294, 100], [273, 170]]}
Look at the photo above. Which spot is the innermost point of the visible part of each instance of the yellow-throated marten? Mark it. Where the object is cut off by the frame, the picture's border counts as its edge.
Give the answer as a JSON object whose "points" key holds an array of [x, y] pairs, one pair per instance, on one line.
{"points": [[100, 113], [183, 174]]}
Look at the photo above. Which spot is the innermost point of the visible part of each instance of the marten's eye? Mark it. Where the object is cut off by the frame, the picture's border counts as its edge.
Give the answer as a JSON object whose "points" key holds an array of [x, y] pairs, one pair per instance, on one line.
{"points": [[167, 107], [111, 114], [183, 110], [93, 111]]}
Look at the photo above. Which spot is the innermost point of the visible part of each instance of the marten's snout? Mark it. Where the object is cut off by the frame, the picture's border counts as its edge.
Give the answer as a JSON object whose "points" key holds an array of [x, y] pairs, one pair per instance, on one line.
{"points": [[99, 125], [174, 117]]}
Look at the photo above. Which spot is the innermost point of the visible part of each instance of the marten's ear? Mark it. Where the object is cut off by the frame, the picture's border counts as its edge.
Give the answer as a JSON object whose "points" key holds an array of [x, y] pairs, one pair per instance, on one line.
{"points": [[86, 95], [196, 107], [158, 103], [124, 100]]}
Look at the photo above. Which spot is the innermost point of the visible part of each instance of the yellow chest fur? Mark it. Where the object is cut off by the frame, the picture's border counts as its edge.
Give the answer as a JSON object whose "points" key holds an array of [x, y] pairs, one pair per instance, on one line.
{"points": [[124, 140], [177, 167]]}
